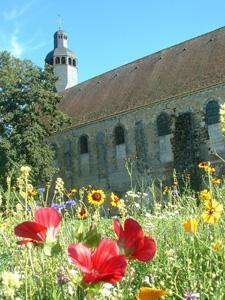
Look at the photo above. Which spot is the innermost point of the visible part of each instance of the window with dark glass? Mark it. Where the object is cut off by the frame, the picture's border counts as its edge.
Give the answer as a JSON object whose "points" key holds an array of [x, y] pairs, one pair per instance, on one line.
{"points": [[163, 124], [119, 135], [70, 61], [83, 144], [63, 61], [57, 60], [212, 112], [74, 62], [55, 150]]}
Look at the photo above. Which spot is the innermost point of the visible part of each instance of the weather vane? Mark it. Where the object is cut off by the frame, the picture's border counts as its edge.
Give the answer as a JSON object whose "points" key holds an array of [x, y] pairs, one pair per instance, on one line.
{"points": [[60, 22]]}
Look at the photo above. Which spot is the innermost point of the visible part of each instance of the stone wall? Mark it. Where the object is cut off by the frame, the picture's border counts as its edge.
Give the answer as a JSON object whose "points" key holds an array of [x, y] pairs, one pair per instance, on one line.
{"points": [[154, 156]]}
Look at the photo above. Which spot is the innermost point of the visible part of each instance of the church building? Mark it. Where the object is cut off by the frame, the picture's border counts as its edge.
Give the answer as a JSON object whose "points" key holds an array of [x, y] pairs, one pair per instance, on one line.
{"points": [[157, 114]]}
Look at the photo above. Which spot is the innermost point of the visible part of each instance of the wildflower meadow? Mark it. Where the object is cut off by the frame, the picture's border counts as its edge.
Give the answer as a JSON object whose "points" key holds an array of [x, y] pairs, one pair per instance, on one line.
{"points": [[159, 243]]}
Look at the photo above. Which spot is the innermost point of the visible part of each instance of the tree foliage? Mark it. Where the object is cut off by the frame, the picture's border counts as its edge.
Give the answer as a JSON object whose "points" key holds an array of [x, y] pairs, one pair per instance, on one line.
{"points": [[28, 115]]}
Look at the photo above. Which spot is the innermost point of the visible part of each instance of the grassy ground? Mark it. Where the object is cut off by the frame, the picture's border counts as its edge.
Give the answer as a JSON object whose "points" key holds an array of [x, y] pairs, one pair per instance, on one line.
{"points": [[187, 261]]}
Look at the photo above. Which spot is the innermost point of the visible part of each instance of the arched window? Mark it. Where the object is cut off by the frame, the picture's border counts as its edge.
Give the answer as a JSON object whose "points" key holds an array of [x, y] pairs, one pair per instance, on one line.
{"points": [[63, 60], [55, 150], [57, 60], [70, 61], [119, 135], [212, 112], [163, 124], [74, 62], [83, 144]]}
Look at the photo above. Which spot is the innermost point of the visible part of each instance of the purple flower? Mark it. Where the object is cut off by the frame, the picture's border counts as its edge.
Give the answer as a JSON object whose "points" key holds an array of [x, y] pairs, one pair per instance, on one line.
{"points": [[58, 207], [41, 190], [191, 295], [70, 203], [174, 192]]}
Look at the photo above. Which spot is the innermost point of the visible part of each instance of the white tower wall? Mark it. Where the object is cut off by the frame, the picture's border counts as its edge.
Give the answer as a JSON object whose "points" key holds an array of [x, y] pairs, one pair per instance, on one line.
{"points": [[67, 76], [64, 62]]}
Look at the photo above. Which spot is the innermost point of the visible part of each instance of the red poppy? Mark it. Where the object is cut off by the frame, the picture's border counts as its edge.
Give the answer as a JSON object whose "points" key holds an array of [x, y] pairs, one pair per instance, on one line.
{"points": [[103, 264], [133, 241], [44, 227]]}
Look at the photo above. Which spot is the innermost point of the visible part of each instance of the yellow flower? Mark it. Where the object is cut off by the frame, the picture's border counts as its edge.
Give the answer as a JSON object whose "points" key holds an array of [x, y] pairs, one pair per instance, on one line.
{"points": [[204, 165], [212, 211], [191, 225], [205, 195], [96, 197], [165, 190], [31, 193], [83, 213], [210, 170], [115, 200], [217, 245], [146, 293], [71, 192], [216, 181]]}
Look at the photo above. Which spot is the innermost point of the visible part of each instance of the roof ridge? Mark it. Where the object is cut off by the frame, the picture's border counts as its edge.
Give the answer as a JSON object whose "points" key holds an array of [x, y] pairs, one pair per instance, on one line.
{"points": [[142, 58]]}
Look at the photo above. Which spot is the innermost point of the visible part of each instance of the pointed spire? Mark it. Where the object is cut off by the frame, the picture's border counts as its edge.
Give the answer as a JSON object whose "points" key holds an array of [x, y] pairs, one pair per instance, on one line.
{"points": [[60, 21]]}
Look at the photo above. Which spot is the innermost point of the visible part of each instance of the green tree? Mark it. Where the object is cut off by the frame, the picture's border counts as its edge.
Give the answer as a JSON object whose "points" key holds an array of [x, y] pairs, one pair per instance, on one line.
{"points": [[28, 115]]}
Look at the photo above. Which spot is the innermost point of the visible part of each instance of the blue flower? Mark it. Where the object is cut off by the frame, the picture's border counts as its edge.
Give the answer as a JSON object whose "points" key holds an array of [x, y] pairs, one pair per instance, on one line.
{"points": [[70, 203], [41, 190], [58, 207]]}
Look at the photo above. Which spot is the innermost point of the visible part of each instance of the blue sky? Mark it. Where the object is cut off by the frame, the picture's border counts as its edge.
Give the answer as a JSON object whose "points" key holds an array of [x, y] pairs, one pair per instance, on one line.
{"points": [[104, 34]]}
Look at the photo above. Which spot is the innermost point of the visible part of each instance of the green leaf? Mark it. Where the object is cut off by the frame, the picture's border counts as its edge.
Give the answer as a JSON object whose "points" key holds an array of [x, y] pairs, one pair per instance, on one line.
{"points": [[92, 238]]}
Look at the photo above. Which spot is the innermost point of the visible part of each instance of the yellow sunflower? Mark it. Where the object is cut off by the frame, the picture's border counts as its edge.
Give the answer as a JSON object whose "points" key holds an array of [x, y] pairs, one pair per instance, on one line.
{"points": [[96, 197], [204, 165], [205, 195], [191, 225], [212, 211], [210, 170], [217, 245], [115, 200], [147, 293], [83, 213], [216, 181]]}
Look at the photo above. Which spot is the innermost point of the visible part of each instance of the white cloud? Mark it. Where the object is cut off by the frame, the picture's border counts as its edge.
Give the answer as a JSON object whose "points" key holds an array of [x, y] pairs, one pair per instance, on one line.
{"points": [[16, 47], [15, 13]]}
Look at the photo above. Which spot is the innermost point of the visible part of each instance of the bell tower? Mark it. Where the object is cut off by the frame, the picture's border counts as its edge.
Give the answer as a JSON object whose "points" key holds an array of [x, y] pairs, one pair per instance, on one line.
{"points": [[64, 62]]}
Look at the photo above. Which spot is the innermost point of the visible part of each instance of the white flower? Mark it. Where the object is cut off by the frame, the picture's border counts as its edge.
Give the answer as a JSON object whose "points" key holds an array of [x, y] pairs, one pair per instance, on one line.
{"points": [[106, 290], [148, 215]]}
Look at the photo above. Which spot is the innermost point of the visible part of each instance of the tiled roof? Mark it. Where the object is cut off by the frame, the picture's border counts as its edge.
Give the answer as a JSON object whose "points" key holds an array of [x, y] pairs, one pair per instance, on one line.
{"points": [[184, 68]]}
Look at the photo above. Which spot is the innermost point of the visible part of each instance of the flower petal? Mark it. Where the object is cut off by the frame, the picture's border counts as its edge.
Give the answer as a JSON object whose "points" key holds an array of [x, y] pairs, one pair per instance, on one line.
{"points": [[118, 230], [104, 251], [31, 230], [133, 234], [147, 293], [49, 218], [146, 252], [111, 271], [81, 257]]}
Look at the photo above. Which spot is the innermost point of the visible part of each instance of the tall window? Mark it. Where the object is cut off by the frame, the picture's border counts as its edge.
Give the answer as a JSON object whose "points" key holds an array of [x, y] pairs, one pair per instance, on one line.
{"points": [[57, 60], [63, 60], [70, 61], [163, 124], [212, 112], [74, 62], [55, 150], [119, 135], [83, 144]]}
